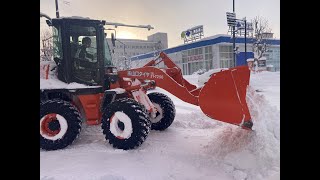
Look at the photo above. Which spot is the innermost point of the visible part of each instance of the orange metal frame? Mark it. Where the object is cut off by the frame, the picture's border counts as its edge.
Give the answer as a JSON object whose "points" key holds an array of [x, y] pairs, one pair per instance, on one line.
{"points": [[91, 105], [170, 79], [222, 98]]}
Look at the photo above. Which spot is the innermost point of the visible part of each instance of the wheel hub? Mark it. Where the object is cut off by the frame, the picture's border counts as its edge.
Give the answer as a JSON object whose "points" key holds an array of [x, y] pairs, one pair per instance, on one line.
{"points": [[121, 125], [158, 115], [54, 125], [49, 125]]}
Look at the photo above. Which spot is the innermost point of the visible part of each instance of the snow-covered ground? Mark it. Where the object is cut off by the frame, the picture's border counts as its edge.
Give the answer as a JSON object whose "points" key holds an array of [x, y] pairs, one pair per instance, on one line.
{"points": [[193, 147], [269, 85]]}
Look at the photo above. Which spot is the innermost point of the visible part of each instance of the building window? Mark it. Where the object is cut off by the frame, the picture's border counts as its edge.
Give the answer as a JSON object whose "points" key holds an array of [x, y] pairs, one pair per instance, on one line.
{"points": [[226, 56], [196, 59], [208, 57]]}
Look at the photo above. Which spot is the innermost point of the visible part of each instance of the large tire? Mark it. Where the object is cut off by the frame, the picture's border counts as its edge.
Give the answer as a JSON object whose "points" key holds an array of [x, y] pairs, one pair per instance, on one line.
{"points": [[166, 111], [60, 124], [125, 124]]}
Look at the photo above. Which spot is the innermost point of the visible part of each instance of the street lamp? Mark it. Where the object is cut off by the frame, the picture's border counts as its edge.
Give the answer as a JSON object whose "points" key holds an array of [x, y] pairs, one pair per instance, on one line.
{"points": [[234, 39], [231, 20], [245, 38]]}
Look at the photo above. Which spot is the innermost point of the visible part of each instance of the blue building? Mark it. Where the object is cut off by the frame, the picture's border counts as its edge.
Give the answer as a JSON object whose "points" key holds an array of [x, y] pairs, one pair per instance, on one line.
{"points": [[213, 52]]}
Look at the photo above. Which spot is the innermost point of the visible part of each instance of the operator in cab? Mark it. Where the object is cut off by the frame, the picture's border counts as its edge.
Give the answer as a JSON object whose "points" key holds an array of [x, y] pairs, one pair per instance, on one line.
{"points": [[82, 51]]}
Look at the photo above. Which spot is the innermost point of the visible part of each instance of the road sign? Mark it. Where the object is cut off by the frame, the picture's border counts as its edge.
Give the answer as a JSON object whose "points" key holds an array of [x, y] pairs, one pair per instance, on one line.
{"points": [[231, 19]]}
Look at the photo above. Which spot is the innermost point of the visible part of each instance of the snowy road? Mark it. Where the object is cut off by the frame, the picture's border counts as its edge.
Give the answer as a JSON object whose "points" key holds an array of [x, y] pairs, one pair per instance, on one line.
{"points": [[193, 147]]}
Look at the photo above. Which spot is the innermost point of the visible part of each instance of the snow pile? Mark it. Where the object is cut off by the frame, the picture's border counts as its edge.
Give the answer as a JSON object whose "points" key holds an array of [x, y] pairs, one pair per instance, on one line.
{"points": [[253, 154], [242, 154], [203, 78], [195, 120], [268, 84], [193, 79], [199, 72]]}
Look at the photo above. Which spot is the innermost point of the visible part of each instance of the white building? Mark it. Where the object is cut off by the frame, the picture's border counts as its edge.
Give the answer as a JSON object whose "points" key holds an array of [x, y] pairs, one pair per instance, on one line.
{"points": [[126, 48], [212, 52]]}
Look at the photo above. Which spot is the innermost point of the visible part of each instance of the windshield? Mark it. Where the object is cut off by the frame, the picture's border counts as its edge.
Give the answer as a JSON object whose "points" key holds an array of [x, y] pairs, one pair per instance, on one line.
{"points": [[83, 47], [107, 54], [83, 43]]}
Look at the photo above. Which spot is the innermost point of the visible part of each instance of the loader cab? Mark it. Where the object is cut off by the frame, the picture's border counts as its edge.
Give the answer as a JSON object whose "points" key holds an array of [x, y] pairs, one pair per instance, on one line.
{"points": [[77, 61]]}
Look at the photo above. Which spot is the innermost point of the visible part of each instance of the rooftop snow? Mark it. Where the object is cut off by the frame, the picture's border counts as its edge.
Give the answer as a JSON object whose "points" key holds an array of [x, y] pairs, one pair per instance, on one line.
{"points": [[57, 84], [216, 39], [75, 17]]}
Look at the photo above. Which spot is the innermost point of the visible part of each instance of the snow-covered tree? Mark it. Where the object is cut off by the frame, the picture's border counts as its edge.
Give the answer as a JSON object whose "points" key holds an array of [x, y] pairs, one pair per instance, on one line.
{"points": [[260, 39], [46, 48], [261, 34]]}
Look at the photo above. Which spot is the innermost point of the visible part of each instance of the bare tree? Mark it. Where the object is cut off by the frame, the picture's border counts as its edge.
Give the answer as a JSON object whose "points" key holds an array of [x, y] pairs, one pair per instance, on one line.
{"points": [[261, 34], [46, 48]]}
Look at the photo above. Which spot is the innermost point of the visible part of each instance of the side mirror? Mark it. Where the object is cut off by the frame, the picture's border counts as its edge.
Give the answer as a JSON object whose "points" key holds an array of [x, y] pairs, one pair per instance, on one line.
{"points": [[113, 40]]}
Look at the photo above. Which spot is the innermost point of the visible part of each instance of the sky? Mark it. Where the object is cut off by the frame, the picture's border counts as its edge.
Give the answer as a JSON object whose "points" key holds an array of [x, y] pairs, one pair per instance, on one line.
{"points": [[169, 16]]}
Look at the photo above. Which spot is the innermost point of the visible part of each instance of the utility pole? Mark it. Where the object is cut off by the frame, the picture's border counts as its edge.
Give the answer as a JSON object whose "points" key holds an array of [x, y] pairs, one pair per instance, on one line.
{"points": [[234, 41], [57, 9]]}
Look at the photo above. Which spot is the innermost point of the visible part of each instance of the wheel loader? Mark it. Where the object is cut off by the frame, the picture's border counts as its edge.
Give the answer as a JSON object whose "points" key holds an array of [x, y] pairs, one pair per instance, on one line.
{"points": [[118, 100]]}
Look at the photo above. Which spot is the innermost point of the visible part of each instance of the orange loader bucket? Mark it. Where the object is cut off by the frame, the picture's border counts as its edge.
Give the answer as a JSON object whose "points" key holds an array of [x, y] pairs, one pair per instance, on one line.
{"points": [[224, 97]]}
